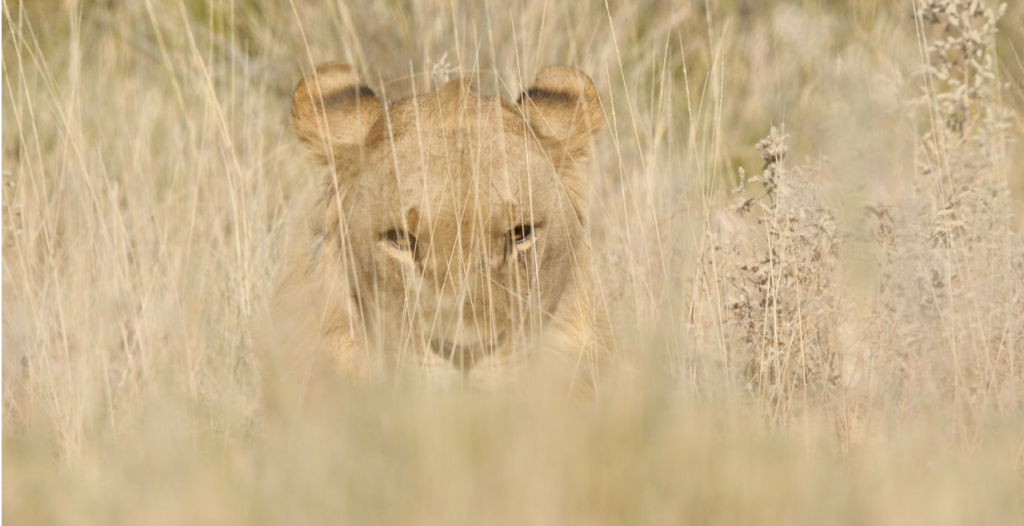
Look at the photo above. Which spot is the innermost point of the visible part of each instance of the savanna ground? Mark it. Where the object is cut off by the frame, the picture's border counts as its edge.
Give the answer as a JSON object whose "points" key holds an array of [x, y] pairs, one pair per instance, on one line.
{"points": [[827, 328]]}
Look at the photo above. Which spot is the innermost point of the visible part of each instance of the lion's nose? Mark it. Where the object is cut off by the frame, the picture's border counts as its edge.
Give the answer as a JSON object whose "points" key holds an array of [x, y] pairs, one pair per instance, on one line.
{"points": [[461, 356]]}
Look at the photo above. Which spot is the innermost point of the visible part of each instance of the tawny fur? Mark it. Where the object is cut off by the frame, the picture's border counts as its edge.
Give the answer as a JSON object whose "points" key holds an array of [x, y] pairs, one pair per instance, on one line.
{"points": [[461, 173]]}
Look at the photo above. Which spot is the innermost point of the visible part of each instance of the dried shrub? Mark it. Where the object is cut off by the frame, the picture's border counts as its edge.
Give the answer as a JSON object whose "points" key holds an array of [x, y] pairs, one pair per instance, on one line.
{"points": [[949, 310], [946, 325], [779, 283]]}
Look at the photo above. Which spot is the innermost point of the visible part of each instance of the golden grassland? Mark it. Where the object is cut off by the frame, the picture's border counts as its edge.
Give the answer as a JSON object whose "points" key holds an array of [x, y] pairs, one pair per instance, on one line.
{"points": [[825, 328]]}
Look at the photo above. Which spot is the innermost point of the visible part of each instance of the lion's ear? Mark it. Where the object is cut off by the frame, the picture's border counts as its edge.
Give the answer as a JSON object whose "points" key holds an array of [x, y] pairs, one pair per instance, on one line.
{"points": [[332, 112], [563, 104]]}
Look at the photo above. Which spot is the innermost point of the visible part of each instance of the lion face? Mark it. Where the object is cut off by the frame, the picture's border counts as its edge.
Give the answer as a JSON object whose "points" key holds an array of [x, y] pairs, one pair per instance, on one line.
{"points": [[455, 222]]}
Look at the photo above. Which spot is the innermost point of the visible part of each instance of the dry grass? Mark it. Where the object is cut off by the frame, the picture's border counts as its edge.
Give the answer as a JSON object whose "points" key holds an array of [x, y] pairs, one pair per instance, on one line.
{"points": [[841, 337]]}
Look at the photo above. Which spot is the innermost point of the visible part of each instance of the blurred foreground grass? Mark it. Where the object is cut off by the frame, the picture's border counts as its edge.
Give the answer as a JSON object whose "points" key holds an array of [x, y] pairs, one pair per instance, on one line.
{"points": [[381, 458]]}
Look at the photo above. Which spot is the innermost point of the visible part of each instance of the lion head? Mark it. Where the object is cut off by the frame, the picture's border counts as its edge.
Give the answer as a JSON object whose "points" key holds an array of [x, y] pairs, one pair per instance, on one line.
{"points": [[451, 231]]}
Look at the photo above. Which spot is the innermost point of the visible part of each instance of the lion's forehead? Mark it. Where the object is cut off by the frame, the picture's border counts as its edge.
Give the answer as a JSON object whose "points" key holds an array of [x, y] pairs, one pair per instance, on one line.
{"points": [[464, 171]]}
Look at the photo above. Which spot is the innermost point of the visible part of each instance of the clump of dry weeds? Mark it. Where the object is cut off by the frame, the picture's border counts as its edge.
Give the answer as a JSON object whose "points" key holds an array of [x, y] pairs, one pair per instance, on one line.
{"points": [[779, 283], [950, 296], [945, 326]]}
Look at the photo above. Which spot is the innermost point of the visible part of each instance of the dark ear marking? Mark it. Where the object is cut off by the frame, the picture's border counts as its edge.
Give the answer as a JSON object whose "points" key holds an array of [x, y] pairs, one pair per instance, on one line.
{"points": [[557, 97], [341, 97]]}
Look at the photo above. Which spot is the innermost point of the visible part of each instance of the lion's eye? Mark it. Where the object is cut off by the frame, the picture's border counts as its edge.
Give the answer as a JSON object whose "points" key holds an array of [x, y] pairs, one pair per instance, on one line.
{"points": [[401, 240], [521, 233]]}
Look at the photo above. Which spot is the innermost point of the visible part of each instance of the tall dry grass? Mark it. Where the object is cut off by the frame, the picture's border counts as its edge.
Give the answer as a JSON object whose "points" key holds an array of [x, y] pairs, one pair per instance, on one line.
{"points": [[829, 325]]}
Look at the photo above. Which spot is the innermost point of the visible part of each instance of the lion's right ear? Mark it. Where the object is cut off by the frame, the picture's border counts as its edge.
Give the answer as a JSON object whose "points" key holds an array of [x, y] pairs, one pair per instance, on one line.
{"points": [[563, 105], [332, 112]]}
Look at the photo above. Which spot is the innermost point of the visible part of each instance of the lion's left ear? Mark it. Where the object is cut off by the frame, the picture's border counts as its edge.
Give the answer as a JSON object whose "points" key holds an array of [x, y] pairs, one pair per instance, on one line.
{"points": [[332, 112], [563, 105]]}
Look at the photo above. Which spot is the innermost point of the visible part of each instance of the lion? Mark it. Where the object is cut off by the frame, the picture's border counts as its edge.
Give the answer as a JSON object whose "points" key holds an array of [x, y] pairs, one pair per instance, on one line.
{"points": [[450, 237]]}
